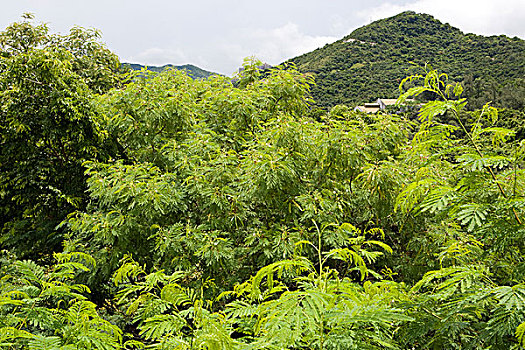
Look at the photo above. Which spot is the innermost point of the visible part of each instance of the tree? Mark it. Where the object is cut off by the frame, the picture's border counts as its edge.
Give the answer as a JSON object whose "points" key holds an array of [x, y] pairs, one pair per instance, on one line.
{"points": [[470, 188], [48, 127]]}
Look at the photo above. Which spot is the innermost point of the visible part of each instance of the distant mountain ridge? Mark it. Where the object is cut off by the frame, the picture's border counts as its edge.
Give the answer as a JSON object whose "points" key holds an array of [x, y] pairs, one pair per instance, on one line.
{"points": [[193, 71], [370, 62]]}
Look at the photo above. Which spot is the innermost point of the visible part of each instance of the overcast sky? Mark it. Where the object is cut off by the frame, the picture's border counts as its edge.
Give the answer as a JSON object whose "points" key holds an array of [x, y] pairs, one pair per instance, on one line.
{"points": [[217, 34]]}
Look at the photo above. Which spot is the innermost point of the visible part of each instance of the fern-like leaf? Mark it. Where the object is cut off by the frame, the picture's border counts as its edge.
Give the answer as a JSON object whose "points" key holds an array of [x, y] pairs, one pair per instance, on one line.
{"points": [[45, 343], [156, 327]]}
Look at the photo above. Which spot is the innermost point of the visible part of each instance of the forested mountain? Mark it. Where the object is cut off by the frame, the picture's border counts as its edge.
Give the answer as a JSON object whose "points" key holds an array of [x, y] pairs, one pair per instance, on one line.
{"points": [[193, 71], [371, 61]]}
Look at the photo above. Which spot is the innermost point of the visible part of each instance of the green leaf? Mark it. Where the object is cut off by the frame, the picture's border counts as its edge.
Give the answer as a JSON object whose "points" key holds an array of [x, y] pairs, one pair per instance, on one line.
{"points": [[520, 333], [472, 214]]}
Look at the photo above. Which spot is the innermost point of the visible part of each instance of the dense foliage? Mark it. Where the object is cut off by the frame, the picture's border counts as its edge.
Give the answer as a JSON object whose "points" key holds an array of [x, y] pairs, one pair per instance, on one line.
{"points": [[220, 215], [371, 61], [47, 84]]}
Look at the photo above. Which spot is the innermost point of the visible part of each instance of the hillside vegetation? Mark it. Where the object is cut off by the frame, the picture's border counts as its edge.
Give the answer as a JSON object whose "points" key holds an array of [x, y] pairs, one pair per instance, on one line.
{"points": [[193, 71], [371, 61]]}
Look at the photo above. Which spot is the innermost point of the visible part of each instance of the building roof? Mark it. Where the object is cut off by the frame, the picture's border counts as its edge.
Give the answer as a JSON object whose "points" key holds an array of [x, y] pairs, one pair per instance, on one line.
{"points": [[388, 101], [366, 109], [380, 104]]}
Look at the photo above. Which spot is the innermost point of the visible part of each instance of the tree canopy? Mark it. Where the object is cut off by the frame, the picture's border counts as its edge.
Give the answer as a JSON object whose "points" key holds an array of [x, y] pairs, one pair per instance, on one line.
{"points": [[48, 127]]}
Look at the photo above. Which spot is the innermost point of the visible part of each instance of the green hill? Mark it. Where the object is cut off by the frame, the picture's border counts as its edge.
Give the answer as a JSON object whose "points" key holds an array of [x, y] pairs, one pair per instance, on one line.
{"points": [[193, 71], [371, 61]]}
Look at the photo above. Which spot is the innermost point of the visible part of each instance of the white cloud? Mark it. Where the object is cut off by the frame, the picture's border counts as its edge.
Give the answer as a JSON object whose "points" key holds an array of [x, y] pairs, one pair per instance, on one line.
{"points": [[158, 56], [485, 17], [278, 44], [272, 46]]}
